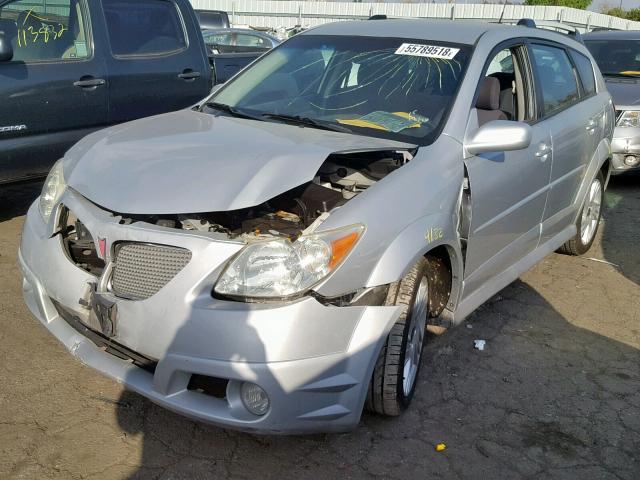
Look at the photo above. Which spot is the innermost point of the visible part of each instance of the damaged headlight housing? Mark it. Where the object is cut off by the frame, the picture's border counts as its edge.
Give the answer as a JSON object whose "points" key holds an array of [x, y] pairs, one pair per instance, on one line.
{"points": [[630, 118], [282, 268], [52, 190]]}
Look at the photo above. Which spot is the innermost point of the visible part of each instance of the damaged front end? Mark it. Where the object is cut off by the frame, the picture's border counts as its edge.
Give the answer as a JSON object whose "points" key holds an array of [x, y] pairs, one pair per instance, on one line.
{"points": [[300, 210], [286, 254]]}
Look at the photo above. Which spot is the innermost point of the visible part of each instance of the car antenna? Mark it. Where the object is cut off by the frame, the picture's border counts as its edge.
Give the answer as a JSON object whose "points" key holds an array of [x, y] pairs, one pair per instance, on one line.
{"points": [[504, 6]]}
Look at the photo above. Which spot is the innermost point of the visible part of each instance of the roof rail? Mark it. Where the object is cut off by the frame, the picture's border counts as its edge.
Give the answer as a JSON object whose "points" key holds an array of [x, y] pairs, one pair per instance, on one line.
{"points": [[559, 27], [527, 22], [378, 17]]}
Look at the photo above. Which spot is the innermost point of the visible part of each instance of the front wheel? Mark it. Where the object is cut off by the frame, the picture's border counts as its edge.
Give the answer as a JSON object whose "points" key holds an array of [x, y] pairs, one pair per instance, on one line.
{"points": [[394, 377], [588, 220]]}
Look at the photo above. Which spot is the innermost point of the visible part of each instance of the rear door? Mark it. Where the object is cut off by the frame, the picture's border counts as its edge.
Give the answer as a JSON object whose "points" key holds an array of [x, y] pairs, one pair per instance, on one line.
{"points": [[158, 62], [54, 89], [573, 122], [508, 190]]}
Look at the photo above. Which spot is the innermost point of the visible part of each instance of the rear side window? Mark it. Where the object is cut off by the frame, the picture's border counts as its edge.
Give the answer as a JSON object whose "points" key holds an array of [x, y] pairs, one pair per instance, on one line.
{"points": [[144, 27], [41, 30], [558, 84], [211, 19], [585, 70]]}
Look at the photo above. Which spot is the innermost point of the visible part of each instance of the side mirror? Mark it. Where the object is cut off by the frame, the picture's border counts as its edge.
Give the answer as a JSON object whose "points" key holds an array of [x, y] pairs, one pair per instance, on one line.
{"points": [[499, 136], [6, 50]]}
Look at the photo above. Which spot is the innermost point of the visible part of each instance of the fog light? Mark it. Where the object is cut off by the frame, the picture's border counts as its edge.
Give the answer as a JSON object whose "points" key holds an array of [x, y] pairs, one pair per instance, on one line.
{"points": [[255, 399], [631, 160]]}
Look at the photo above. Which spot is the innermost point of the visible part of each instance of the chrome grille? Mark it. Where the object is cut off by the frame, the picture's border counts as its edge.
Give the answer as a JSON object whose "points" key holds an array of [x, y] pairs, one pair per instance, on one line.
{"points": [[140, 270]]}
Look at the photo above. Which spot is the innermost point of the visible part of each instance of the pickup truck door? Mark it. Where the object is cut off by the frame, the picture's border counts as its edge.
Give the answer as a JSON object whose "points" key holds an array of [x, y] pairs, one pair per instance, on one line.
{"points": [[53, 91], [508, 190], [158, 62]]}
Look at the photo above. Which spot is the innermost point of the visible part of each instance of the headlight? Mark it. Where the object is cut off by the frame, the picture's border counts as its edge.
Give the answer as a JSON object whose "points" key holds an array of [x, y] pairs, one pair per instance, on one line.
{"points": [[282, 268], [52, 190], [630, 118]]}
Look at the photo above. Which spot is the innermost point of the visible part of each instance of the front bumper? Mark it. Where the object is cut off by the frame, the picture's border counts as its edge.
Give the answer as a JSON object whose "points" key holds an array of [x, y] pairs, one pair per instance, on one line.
{"points": [[314, 361], [626, 141]]}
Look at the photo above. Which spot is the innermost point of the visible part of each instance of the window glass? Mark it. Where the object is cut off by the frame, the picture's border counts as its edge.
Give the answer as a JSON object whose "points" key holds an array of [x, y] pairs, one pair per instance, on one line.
{"points": [[380, 87], [502, 69], [250, 41], [557, 81], [234, 42], [143, 27], [501, 63], [615, 57], [585, 69], [45, 30], [219, 39]]}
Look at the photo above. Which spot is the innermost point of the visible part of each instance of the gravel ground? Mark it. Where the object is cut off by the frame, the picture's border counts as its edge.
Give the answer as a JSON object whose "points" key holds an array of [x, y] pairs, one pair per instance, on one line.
{"points": [[555, 394]]}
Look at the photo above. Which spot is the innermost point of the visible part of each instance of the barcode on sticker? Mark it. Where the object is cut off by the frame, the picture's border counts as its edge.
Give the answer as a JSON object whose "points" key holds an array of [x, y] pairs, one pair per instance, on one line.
{"points": [[432, 51]]}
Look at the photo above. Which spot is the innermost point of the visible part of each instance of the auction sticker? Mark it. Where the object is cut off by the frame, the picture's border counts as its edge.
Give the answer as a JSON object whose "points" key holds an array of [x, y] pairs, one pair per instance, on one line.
{"points": [[432, 51]]}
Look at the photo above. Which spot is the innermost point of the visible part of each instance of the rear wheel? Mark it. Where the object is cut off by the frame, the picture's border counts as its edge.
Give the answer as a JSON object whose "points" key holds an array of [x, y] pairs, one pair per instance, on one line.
{"points": [[394, 378], [588, 220]]}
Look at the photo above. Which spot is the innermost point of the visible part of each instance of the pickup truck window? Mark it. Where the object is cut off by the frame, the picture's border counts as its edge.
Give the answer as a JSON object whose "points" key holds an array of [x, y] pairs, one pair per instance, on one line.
{"points": [[144, 27], [45, 32]]}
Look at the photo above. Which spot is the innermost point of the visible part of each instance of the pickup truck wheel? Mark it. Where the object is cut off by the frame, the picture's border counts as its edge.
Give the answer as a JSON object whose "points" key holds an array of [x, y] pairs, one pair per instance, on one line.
{"points": [[588, 220], [394, 377]]}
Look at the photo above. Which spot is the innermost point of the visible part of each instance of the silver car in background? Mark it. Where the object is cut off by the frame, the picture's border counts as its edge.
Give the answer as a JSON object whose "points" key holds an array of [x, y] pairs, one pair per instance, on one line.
{"points": [[617, 53], [269, 259]]}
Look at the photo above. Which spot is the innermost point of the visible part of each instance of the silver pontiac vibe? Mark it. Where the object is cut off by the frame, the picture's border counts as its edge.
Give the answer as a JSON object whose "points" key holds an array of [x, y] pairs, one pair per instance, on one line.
{"points": [[617, 53], [269, 259]]}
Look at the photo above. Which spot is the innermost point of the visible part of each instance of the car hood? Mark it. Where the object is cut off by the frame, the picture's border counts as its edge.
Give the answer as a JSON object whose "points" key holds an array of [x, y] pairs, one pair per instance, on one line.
{"points": [[625, 92], [190, 162]]}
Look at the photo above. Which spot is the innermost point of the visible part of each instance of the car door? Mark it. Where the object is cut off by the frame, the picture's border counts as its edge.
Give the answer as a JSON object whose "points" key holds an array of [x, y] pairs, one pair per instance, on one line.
{"points": [[507, 190], [53, 91], [155, 66], [573, 124]]}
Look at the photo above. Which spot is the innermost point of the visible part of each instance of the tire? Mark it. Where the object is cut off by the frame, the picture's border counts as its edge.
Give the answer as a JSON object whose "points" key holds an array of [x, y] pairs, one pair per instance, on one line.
{"points": [[388, 393], [588, 220]]}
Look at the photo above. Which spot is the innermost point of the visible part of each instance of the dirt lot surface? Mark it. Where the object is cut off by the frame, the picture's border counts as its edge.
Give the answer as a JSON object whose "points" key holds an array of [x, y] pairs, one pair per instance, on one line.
{"points": [[555, 394]]}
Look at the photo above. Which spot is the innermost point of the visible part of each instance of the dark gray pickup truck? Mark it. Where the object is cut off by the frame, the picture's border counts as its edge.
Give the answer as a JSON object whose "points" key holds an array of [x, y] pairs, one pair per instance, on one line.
{"points": [[69, 67]]}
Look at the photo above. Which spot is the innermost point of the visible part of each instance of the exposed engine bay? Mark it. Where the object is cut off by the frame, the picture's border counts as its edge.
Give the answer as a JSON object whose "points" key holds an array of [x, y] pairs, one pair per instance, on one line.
{"points": [[340, 178]]}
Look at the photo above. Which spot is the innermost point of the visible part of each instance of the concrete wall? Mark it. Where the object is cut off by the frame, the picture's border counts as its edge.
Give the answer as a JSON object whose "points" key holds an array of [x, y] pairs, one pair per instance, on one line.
{"points": [[280, 13]]}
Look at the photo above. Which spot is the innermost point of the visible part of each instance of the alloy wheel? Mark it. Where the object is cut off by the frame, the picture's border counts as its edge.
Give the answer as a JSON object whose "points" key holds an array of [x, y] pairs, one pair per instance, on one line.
{"points": [[591, 212], [415, 340]]}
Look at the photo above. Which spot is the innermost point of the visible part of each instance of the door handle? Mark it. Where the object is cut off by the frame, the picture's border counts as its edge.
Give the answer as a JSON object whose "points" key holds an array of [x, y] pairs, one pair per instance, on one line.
{"points": [[591, 125], [189, 75], [89, 82], [543, 151]]}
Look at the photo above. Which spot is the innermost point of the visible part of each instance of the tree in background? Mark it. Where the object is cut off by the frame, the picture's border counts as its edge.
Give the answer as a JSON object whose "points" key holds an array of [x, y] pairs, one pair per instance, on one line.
{"points": [[582, 4], [633, 14]]}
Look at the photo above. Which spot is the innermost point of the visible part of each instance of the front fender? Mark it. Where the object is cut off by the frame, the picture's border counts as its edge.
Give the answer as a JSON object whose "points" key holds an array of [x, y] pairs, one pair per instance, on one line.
{"points": [[415, 241]]}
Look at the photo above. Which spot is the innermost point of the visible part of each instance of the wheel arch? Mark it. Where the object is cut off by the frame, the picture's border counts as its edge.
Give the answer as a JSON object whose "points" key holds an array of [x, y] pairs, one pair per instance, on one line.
{"points": [[434, 237]]}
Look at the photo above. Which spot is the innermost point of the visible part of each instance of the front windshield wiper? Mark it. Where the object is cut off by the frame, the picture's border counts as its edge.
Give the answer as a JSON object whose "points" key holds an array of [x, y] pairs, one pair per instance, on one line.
{"points": [[622, 74], [308, 122], [223, 107]]}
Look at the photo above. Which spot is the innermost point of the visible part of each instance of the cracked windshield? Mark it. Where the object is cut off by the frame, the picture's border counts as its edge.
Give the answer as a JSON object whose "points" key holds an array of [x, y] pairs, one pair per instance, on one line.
{"points": [[400, 89]]}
